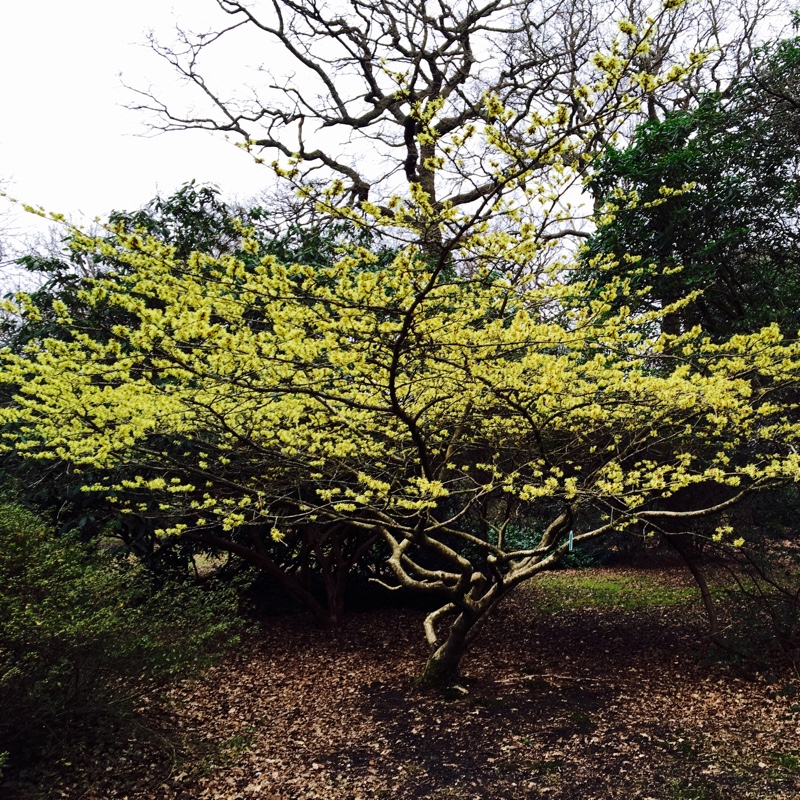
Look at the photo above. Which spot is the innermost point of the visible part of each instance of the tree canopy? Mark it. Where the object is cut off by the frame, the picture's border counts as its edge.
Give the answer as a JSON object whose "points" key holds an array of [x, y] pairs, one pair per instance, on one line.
{"points": [[430, 408], [371, 99]]}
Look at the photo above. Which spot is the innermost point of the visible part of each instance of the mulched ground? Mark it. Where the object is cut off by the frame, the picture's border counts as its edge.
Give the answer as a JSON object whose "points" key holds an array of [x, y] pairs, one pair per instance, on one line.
{"points": [[584, 704]]}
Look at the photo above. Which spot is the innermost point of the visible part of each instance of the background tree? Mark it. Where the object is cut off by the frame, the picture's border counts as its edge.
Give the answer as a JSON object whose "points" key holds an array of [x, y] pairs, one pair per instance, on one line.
{"points": [[732, 230], [376, 97]]}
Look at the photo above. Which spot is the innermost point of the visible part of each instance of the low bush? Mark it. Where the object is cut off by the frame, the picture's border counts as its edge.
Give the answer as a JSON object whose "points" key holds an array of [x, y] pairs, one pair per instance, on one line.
{"points": [[763, 601], [84, 633]]}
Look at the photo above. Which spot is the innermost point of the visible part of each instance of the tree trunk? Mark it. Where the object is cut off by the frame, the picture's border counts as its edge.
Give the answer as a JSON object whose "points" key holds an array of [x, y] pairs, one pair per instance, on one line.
{"points": [[431, 240], [335, 581], [442, 667], [714, 633]]}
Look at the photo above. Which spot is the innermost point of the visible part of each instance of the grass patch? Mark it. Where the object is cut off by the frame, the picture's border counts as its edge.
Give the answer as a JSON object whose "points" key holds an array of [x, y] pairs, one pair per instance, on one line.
{"points": [[787, 765], [680, 791], [553, 767], [565, 591]]}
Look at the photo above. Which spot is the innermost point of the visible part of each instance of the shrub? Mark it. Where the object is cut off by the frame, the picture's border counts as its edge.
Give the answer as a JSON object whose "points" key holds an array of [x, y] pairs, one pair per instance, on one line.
{"points": [[587, 555], [83, 633], [764, 604]]}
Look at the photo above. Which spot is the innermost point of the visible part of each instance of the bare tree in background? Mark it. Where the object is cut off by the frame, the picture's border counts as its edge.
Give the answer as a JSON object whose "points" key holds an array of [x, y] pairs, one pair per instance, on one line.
{"points": [[5, 214], [380, 95], [12, 279]]}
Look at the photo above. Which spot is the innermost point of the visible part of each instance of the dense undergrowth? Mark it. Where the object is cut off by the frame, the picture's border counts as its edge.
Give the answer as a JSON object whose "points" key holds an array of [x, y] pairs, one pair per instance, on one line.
{"points": [[83, 634]]}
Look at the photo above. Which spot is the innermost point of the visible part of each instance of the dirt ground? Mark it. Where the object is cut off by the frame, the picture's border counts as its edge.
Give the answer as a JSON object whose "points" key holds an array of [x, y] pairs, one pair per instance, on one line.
{"points": [[578, 704]]}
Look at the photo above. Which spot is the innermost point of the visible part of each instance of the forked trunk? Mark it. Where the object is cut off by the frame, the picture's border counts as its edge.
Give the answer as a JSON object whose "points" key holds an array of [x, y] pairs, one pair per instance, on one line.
{"points": [[442, 667]]}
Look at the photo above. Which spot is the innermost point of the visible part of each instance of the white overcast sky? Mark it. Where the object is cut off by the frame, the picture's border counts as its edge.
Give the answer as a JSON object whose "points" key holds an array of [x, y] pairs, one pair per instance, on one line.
{"points": [[66, 141]]}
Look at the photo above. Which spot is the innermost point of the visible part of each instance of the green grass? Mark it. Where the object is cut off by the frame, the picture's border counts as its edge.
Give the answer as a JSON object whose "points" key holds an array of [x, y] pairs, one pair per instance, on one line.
{"points": [[564, 591], [547, 767], [787, 765], [679, 791]]}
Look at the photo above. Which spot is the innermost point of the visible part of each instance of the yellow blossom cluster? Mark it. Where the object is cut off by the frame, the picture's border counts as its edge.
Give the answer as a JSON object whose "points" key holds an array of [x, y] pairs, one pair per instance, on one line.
{"points": [[254, 391]]}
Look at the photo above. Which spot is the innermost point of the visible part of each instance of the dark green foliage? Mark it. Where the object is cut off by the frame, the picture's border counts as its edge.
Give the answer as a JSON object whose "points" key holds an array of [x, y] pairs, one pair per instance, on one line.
{"points": [[526, 535], [82, 634], [735, 234], [194, 219]]}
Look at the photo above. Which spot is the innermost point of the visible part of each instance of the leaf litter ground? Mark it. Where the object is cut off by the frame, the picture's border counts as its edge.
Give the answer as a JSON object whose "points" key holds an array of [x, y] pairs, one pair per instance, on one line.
{"points": [[595, 697]]}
